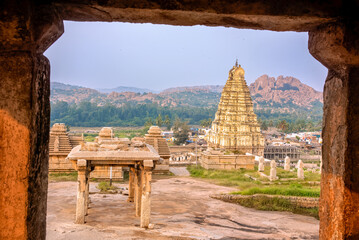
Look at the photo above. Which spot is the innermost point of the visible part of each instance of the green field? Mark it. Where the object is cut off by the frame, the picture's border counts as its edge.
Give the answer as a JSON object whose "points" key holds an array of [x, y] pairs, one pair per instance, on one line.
{"points": [[309, 187]]}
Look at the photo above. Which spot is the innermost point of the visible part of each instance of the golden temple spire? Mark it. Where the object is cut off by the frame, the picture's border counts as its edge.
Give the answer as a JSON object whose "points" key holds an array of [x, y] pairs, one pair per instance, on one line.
{"points": [[235, 126], [237, 62]]}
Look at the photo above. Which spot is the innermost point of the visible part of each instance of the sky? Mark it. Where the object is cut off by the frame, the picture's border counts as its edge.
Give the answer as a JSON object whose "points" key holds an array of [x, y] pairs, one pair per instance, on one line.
{"points": [[108, 55]]}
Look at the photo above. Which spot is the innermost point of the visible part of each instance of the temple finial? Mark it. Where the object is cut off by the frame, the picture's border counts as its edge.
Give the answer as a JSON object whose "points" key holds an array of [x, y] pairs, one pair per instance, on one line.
{"points": [[236, 62]]}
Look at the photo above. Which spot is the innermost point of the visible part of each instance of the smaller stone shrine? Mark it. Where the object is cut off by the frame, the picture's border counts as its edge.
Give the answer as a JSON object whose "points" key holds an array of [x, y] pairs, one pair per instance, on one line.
{"points": [[60, 145], [141, 159], [156, 140]]}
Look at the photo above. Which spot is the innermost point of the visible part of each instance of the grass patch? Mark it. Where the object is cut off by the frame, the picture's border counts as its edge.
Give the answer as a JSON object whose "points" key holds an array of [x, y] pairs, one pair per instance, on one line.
{"points": [[63, 177], [105, 187], [231, 178], [276, 204], [247, 186], [291, 190]]}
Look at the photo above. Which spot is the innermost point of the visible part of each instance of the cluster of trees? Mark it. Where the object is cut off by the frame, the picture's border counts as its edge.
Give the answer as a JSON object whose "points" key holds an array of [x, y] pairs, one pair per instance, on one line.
{"points": [[206, 122], [87, 114], [298, 125], [180, 131]]}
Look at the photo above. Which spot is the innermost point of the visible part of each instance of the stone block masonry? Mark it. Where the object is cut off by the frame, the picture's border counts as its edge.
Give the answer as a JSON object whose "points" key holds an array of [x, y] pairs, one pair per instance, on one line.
{"points": [[219, 161], [305, 202]]}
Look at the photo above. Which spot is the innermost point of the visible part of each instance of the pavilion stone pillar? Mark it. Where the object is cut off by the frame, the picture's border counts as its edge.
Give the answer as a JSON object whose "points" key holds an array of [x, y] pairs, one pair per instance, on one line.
{"points": [[336, 47], [138, 190], [24, 117], [82, 198], [87, 190], [146, 193], [131, 185]]}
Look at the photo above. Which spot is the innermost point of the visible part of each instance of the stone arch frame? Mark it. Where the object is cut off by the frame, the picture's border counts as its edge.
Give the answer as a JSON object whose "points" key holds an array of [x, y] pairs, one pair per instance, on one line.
{"points": [[29, 27]]}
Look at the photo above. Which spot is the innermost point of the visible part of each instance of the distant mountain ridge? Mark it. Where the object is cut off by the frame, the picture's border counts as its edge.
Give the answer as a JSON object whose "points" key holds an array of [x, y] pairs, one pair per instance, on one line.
{"points": [[126, 89]]}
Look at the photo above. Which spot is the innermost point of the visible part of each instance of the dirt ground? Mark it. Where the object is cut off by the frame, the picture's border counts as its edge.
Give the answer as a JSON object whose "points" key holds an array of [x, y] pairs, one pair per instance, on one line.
{"points": [[181, 209]]}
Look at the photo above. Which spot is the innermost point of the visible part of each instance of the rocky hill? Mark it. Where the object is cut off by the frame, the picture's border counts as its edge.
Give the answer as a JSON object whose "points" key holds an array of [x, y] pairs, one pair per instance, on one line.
{"points": [[283, 90]]}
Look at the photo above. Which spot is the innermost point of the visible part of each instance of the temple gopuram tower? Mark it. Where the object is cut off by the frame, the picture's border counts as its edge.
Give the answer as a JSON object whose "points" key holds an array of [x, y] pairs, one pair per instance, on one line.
{"points": [[235, 126]]}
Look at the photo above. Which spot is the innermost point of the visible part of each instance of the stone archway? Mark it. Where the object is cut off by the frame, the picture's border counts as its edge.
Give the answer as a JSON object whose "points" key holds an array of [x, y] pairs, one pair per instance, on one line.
{"points": [[28, 28]]}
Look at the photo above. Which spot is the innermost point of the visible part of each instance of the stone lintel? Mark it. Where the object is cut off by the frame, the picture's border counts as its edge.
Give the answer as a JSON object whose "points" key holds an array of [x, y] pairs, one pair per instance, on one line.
{"points": [[335, 45]]}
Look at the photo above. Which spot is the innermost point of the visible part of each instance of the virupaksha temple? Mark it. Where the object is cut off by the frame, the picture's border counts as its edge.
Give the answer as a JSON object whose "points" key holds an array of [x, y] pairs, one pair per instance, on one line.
{"points": [[235, 126], [235, 130], [140, 157]]}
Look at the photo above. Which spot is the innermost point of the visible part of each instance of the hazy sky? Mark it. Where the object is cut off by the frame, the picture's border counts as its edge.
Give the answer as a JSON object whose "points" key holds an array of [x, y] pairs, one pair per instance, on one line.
{"points": [[107, 55]]}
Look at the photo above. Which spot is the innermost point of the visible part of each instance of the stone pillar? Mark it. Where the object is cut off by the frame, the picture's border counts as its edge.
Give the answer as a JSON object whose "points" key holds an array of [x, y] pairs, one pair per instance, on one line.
{"points": [[287, 163], [261, 164], [300, 171], [87, 192], [81, 191], [131, 185], [24, 121], [336, 47], [138, 191], [273, 171], [146, 193]]}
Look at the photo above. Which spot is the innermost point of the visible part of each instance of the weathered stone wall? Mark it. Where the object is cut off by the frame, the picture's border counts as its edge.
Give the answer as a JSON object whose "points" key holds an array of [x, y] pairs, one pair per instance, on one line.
{"points": [[306, 202], [58, 163], [103, 172], [227, 162]]}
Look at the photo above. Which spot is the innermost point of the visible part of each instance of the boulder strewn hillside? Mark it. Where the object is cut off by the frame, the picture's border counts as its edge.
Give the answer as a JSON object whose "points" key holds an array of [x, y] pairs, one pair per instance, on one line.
{"points": [[284, 90]]}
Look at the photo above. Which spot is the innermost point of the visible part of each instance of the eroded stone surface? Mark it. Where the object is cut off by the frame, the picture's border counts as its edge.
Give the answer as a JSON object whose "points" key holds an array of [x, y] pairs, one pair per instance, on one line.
{"points": [[181, 209]]}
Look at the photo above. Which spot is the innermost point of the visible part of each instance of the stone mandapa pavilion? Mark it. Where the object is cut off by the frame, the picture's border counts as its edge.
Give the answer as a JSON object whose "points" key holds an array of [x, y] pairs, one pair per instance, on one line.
{"points": [[235, 126], [155, 138], [138, 156]]}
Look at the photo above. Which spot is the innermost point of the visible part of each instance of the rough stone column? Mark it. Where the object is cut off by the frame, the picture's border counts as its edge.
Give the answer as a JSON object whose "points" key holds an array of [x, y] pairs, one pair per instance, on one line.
{"points": [[131, 183], [24, 126], [138, 191], [24, 118], [146, 193], [336, 46], [87, 191], [81, 191]]}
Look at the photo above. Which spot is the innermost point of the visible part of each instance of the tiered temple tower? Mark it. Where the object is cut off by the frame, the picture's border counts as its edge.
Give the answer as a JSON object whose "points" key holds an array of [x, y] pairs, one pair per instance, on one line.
{"points": [[235, 126], [59, 146], [155, 138]]}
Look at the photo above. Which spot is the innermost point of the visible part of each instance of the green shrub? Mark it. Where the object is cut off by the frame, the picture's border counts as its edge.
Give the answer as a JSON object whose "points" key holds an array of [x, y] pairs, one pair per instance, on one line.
{"points": [[63, 177], [105, 187]]}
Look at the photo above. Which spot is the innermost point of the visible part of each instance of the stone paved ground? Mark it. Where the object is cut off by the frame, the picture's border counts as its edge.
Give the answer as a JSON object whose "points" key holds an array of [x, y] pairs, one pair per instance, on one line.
{"points": [[180, 171], [181, 209]]}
